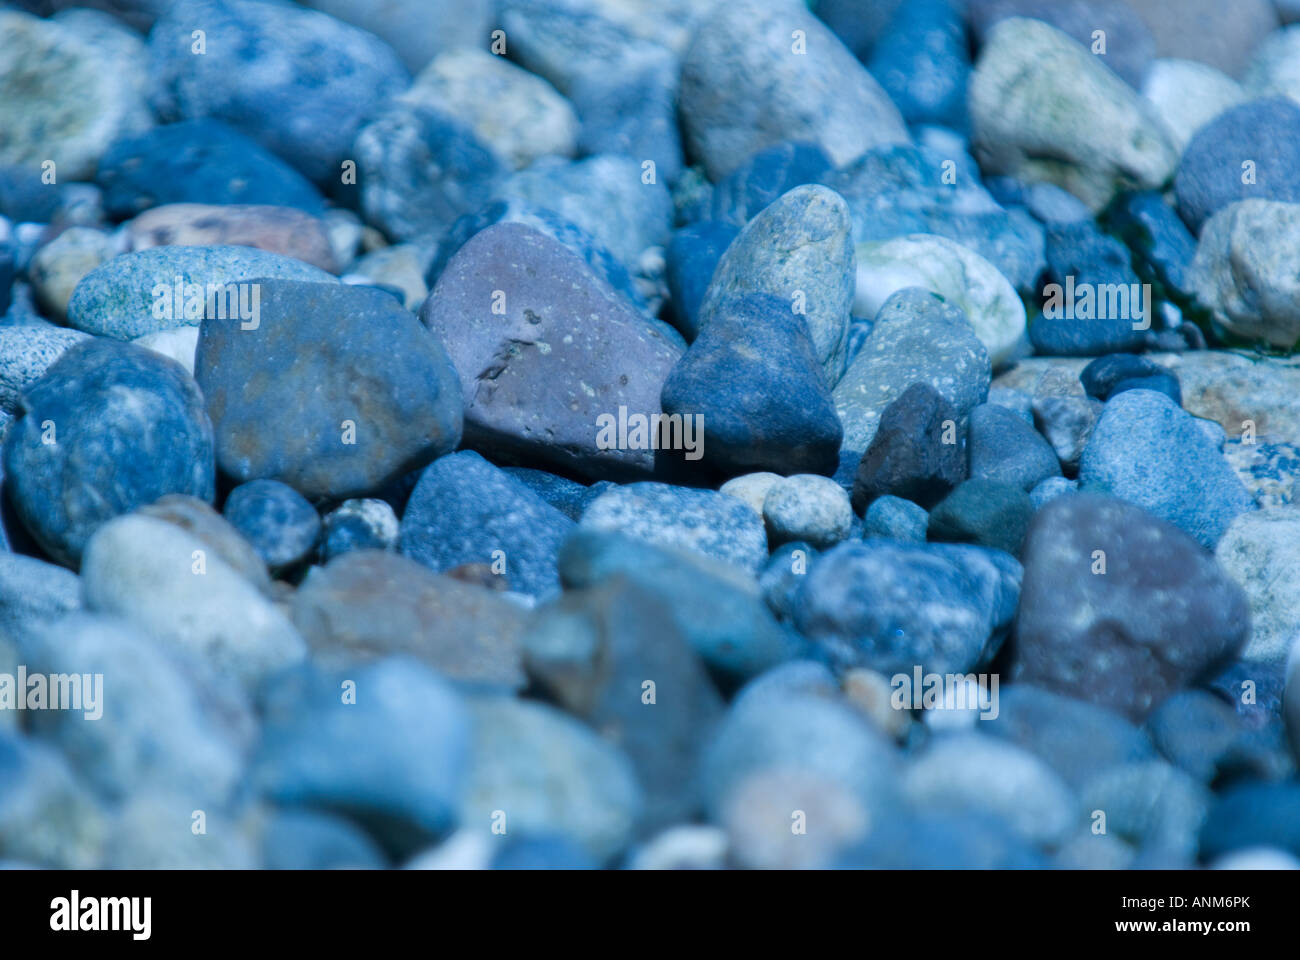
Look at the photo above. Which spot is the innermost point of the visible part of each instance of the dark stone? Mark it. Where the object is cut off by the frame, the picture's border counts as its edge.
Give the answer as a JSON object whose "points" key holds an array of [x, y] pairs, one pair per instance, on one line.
{"points": [[539, 379], [1267, 133], [1253, 815], [336, 391], [612, 655], [753, 377], [1162, 246], [692, 256], [126, 425], [198, 161], [1117, 372], [1162, 615], [1003, 447], [765, 176], [908, 457], [983, 512], [465, 510], [922, 61]]}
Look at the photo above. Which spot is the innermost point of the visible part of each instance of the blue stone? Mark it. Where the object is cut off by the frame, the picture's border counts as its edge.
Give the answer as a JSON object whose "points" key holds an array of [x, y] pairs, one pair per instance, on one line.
{"points": [[276, 519], [765, 176], [1107, 376], [692, 256], [465, 510], [128, 425], [922, 62], [198, 161]]}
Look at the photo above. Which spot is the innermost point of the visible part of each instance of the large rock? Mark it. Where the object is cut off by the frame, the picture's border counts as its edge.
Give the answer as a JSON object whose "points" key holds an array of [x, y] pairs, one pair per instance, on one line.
{"points": [[754, 387], [1146, 450], [65, 97], [1033, 94], [168, 583], [746, 84], [956, 273], [1247, 152], [167, 287], [918, 337], [333, 389], [368, 604], [266, 62], [1120, 608], [110, 427], [798, 250], [464, 510], [539, 377], [1244, 270]]}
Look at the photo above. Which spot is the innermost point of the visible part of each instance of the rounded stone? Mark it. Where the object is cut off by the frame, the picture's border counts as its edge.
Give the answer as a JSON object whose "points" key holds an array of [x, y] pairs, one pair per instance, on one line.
{"points": [[277, 520]]}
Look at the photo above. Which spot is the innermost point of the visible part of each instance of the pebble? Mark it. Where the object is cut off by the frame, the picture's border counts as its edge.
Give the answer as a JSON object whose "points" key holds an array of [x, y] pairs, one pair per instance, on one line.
{"points": [[714, 605], [708, 522], [1066, 422], [137, 293], [590, 648], [33, 592], [548, 772], [415, 31], [897, 519], [1253, 549], [277, 520], [1205, 30], [421, 168], [752, 391], [1253, 815], [276, 229], [126, 426], [386, 744], [808, 508], [1051, 488], [164, 580], [1241, 271], [333, 441], [308, 840], [891, 606], [1149, 452], [955, 273], [1272, 67], [765, 177], [1107, 376], [798, 250], [359, 524], [692, 256], [215, 532], [1263, 133], [26, 352], [66, 96], [990, 513], [284, 61], [370, 604], [1188, 95], [567, 350], [1002, 447], [47, 817], [1154, 806], [1034, 88], [824, 97], [921, 61], [1161, 615], [163, 724], [918, 452], [198, 161], [58, 266], [917, 337]]}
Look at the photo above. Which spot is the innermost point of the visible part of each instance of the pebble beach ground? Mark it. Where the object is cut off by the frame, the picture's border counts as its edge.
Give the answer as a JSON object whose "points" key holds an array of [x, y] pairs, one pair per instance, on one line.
{"points": [[650, 434]]}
